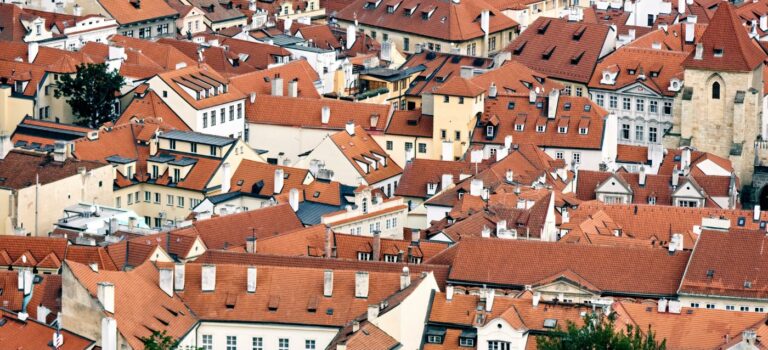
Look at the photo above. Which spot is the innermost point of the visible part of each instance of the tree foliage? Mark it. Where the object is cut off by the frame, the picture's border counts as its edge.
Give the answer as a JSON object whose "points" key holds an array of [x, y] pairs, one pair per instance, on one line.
{"points": [[159, 341], [599, 332], [90, 93]]}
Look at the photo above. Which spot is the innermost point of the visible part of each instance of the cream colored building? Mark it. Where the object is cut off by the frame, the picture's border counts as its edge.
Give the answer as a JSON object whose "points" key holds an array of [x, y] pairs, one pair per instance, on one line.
{"points": [[371, 213]]}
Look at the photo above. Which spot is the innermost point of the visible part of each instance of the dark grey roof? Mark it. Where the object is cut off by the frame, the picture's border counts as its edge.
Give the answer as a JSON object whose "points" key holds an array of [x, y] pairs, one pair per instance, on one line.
{"points": [[306, 48], [310, 213], [283, 40], [183, 161], [161, 158], [223, 197], [393, 74], [189, 136], [120, 160]]}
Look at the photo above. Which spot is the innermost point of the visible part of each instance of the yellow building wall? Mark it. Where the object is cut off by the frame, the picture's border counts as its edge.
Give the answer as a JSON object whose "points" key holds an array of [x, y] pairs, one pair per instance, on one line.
{"points": [[13, 110], [454, 116]]}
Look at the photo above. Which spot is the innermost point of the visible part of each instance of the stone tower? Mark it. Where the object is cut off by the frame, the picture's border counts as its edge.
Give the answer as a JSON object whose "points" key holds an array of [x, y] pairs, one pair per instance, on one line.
{"points": [[721, 102]]}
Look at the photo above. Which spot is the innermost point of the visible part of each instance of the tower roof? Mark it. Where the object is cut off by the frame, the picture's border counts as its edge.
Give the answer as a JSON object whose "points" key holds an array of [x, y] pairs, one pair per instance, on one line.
{"points": [[727, 47]]}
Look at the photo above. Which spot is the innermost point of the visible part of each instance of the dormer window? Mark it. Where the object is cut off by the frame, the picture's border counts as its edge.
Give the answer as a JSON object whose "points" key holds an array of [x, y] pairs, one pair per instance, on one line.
{"points": [[567, 106], [427, 14], [718, 52], [541, 128], [583, 131], [511, 105], [587, 107], [548, 52], [519, 127], [410, 10], [489, 131], [562, 129]]}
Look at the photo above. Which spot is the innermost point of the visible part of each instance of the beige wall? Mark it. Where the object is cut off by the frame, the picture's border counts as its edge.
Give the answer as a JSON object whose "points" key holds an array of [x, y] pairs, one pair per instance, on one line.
{"points": [[406, 321], [13, 110], [397, 153], [194, 20], [93, 187], [57, 107], [453, 116]]}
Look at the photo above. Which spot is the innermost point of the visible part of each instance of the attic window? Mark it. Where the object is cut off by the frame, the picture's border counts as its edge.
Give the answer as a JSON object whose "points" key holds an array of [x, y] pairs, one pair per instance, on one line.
{"points": [[240, 182], [316, 194], [519, 48], [410, 10], [718, 52], [541, 128], [567, 106], [550, 323], [548, 52], [710, 273], [543, 27], [579, 32], [656, 74], [587, 108], [511, 105], [427, 13], [741, 221], [372, 4], [575, 59], [747, 284], [631, 71]]}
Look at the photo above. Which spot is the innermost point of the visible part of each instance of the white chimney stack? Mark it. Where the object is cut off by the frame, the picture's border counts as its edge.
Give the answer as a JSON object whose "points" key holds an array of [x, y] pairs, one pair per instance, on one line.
{"points": [[510, 175], [486, 232], [446, 181], [405, 278], [166, 281], [277, 86], [361, 284], [226, 177], [279, 181], [251, 282], [208, 279], [325, 115], [449, 292], [293, 199], [699, 52], [350, 128], [108, 333], [756, 215], [328, 283], [642, 175], [351, 36], [476, 187], [662, 308], [489, 295], [492, 90], [250, 244], [536, 298], [293, 88], [681, 7], [105, 292], [508, 142], [32, 50], [373, 312], [178, 276]]}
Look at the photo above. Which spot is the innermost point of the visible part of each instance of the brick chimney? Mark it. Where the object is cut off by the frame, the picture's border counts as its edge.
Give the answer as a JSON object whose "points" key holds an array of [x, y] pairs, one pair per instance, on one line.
{"points": [[106, 294], [178, 276], [376, 245], [208, 278], [361, 284], [328, 242], [328, 283], [166, 281], [251, 282]]}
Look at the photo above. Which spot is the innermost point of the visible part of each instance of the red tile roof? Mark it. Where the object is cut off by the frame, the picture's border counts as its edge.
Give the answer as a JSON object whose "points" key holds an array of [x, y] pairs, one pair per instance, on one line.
{"points": [[459, 87], [571, 48], [30, 334], [260, 82], [738, 53], [420, 172], [124, 12], [150, 105], [21, 169], [440, 68], [221, 59], [182, 77], [141, 307], [454, 21], [362, 148], [644, 272], [671, 39], [306, 112], [654, 69], [91, 255], [515, 78], [252, 175], [410, 123], [259, 55]]}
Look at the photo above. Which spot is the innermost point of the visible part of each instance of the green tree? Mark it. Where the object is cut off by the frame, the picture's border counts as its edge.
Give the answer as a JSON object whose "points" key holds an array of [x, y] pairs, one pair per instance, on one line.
{"points": [[599, 332], [159, 341], [90, 93]]}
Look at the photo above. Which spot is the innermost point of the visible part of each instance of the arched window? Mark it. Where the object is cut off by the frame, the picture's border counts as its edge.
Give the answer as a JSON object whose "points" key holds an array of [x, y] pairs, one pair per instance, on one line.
{"points": [[716, 90]]}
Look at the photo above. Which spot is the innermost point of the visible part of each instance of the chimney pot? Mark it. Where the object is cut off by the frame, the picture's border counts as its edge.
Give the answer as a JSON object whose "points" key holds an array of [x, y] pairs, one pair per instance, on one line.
{"points": [[373, 312], [293, 199]]}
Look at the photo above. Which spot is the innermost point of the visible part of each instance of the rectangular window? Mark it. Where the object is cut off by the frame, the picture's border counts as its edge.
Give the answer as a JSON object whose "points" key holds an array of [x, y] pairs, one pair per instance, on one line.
{"points": [[710, 306], [309, 344], [498, 345], [653, 106], [576, 157], [231, 342], [466, 342], [257, 343], [730, 307], [600, 99], [613, 102], [559, 155], [130, 198], [653, 134], [694, 305], [117, 202], [579, 91], [231, 113], [422, 148], [408, 146], [147, 196], [205, 119], [443, 134], [406, 44], [461, 100], [434, 339], [667, 107], [541, 128], [193, 147], [170, 200], [759, 309], [626, 103], [180, 201], [283, 344], [223, 115], [385, 36], [639, 133], [207, 342], [562, 130], [744, 308], [213, 151], [213, 118], [457, 135], [625, 129], [173, 144], [157, 198], [640, 105], [176, 175], [390, 145]]}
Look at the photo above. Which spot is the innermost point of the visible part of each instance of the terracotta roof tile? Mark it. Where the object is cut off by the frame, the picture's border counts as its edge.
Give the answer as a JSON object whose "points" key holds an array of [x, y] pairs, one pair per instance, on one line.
{"points": [[418, 173], [91, 255], [232, 230], [459, 87], [30, 334], [151, 105], [410, 123], [176, 78], [361, 147], [125, 12], [306, 112], [35, 248], [258, 178], [671, 39], [260, 82], [654, 69], [440, 68]]}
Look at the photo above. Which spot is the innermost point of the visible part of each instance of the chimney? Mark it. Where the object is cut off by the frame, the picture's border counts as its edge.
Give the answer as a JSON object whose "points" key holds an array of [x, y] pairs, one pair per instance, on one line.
{"points": [[178, 276], [552, 103], [108, 333], [764, 22], [447, 151], [699, 52], [446, 182], [405, 278], [501, 227], [508, 142], [510, 176], [685, 160], [361, 284], [293, 199], [106, 294], [25, 279], [32, 50], [6, 145], [226, 177], [325, 115], [492, 90], [350, 128], [351, 36], [355, 326], [60, 151], [328, 283], [250, 244], [532, 96], [328, 242], [662, 307], [279, 181], [208, 279], [536, 298], [675, 178], [252, 97], [373, 312], [756, 215], [277, 86], [489, 295], [642, 175], [293, 88], [415, 235], [166, 281], [449, 292], [476, 187], [251, 279], [376, 245], [77, 10], [374, 120], [486, 232], [681, 7]]}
